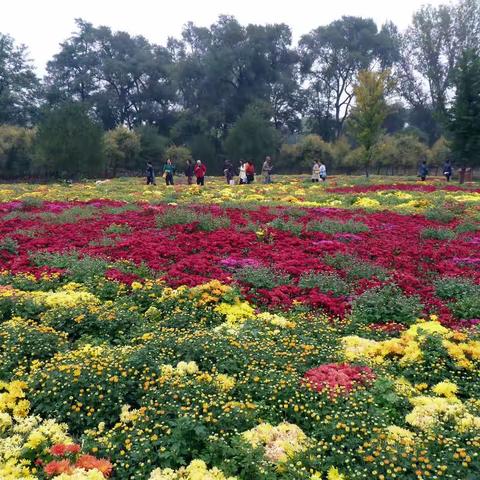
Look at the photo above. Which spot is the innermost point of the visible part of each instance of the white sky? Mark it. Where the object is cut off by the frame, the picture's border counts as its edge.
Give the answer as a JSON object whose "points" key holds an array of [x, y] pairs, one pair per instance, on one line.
{"points": [[42, 24]]}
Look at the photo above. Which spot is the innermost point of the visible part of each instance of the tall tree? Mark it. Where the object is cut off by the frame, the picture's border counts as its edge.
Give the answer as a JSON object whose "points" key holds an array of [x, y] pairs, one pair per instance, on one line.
{"points": [[19, 86], [69, 143], [333, 55], [464, 118], [370, 111]]}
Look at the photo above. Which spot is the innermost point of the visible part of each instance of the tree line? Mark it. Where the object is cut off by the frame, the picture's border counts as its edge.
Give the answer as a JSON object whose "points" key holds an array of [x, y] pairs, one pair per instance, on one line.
{"points": [[351, 93]]}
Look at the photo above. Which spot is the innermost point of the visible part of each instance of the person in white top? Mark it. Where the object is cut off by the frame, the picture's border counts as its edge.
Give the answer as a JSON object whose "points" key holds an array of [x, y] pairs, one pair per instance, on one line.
{"points": [[323, 171], [243, 173], [316, 172]]}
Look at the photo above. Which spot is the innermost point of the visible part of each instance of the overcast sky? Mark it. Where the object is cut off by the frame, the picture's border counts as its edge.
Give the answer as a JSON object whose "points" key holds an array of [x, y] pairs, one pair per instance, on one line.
{"points": [[43, 24]]}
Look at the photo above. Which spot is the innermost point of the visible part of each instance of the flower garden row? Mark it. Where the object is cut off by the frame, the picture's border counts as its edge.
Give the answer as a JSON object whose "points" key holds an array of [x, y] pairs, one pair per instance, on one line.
{"points": [[210, 340]]}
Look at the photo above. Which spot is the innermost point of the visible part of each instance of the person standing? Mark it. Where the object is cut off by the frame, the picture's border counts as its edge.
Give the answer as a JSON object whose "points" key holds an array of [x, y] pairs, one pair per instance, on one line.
{"points": [[423, 170], [323, 171], [250, 171], [242, 173], [189, 172], [315, 172], [447, 170], [200, 170], [168, 171], [267, 168], [150, 174], [228, 171]]}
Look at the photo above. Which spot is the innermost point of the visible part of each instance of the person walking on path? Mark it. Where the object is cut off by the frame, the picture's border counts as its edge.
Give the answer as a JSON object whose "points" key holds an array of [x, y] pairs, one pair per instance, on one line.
{"points": [[168, 171], [423, 170], [267, 170], [189, 172], [316, 172], [323, 171], [447, 170], [200, 170], [250, 171], [242, 173], [150, 174]]}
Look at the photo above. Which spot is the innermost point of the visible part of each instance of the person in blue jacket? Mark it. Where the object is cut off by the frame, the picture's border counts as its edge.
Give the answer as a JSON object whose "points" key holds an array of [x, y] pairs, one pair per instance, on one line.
{"points": [[423, 170], [447, 170]]}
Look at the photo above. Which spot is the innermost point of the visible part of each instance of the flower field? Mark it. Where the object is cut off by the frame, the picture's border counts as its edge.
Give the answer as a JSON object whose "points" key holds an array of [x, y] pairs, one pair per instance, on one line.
{"points": [[286, 331]]}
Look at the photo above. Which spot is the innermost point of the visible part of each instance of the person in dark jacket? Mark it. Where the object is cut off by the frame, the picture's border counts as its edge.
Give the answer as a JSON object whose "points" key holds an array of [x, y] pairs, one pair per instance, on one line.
{"points": [[228, 171], [447, 170], [189, 172], [423, 171], [150, 174], [168, 171], [200, 170]]}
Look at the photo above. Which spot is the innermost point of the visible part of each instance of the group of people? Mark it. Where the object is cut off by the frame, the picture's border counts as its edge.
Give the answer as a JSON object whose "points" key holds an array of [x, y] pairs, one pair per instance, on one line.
{"points": [[319, 171], [197, 170], [447, 170]]}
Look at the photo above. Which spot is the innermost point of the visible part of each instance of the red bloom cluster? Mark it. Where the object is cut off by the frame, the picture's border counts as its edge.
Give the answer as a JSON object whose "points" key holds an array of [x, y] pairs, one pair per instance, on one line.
{"points": [[336, 377], [72, 461]]}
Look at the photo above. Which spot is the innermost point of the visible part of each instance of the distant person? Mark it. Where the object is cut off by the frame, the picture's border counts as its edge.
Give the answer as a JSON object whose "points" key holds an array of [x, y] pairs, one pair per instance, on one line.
{"points": [[423, 170], [267, 170], [316, 172], [228, 171], [168, 171], [150, 174], [447, 170], [250, 171], [242, 174], [323, 171], [200, 170], [189, 172]]}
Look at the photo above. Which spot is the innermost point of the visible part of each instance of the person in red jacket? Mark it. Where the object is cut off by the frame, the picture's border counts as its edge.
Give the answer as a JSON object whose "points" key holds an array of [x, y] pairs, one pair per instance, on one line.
{"points": [[200, 170], [250, 171]]}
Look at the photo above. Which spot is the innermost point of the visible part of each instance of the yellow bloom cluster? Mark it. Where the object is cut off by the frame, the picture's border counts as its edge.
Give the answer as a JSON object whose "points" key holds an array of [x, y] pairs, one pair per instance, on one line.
{"points": [[81, 474], [276, 320], [399, 435], [236, 313], [408, 347], [197, 470], [23, 434], [280, 443]]}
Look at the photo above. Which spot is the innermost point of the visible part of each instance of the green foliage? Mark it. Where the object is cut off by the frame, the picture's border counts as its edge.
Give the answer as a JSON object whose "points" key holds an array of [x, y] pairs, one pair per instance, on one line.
{"points": [[261, 277], [335, 226], [183, 216], [121, 149], [385, 304], [301, 156], [462, 294], [69, 143], [437, 234], [465, 113], [178, 155], [9, 245], [16, 150], [440, 214], [354, 268], [286, 226], [251, 138], [325, 282], [370, 111], [152, 144]]}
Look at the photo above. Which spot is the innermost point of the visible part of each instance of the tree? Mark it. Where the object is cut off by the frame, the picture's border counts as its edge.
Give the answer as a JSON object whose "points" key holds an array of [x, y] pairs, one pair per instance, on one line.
{"points": [[178, 155], [464, 116], [252, 137], [333, 55], [370, 111], [69, 143], [122, 149], [152, 144], [16, 150], [19, 86]]}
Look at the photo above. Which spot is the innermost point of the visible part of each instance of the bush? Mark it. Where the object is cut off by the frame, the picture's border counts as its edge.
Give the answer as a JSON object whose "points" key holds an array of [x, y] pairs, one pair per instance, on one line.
{"points": [[261, 277], [16, 150], [287, 226], [355, 268], [183, 216], [440, 214], [437, 234], [384, 305], [122, 149], [463, 296], [325, 282], [335, 226]]}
